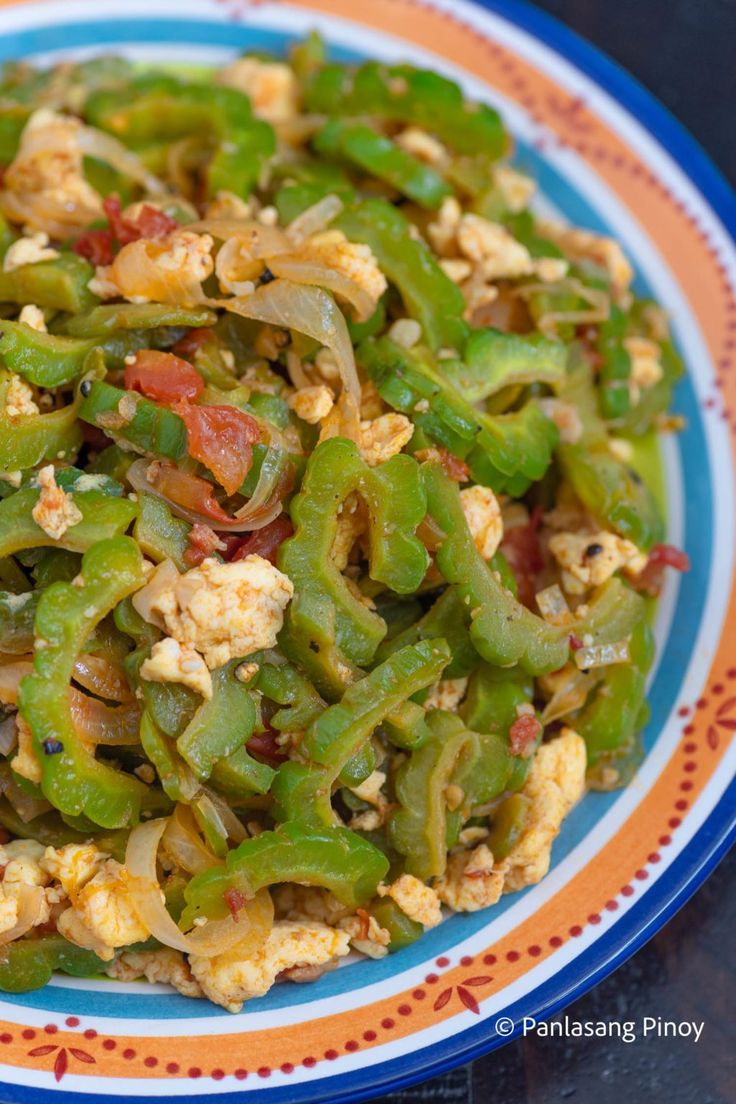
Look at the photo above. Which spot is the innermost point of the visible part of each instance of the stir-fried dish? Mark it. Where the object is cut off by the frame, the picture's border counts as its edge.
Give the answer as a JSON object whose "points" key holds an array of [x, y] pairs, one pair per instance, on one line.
{"points": [[326, 556]]}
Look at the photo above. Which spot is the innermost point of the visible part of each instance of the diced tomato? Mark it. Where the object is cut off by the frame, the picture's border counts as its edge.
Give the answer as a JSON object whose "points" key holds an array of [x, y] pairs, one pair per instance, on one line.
{"points": [[163, 377], [454, 467], [575, 642], [189, 345], [650, 580], [266, 541], [365, 922], [153, 223], [523, 551], [201, 543], [523, 734], [221, 438], [263, 745], [669, 556], [96, 246], [149, 223], [235, 901], [189, 491]]}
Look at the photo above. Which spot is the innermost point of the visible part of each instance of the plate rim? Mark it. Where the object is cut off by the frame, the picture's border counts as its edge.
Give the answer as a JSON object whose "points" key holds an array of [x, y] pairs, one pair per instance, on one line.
{"points": [[716, 834]]}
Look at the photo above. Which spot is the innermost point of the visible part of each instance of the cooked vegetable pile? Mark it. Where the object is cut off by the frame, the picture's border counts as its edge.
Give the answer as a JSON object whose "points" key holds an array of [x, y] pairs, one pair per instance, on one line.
{"points": [[326, 556]]}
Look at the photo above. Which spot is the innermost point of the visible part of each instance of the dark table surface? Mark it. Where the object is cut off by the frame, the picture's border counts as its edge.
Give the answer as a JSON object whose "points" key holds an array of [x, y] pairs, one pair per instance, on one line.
{"points": [[683, 51]]}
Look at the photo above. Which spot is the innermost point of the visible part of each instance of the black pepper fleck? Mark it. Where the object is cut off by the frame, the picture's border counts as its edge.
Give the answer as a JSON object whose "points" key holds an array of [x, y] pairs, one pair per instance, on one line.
{"points": [[85, 388], [52, 747], [266, 276], [594, 549]]}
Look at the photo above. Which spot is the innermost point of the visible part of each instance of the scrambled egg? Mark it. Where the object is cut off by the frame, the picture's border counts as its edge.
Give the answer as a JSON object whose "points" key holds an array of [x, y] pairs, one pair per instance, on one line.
{"points": [[312, 404], [491, 244], [556, 781], [446, 694], [72, 865], [55, 511], [22, 872], [25, 761], [443, 231], [229, 981], [165, 966], [366, 934], [352, 523], [27, 251], [19, 400], [483, 515], [588, 559], [516, 189], [102, 917], [646, 367], [470, 881], [566, 418], [353, 259], [417, 900], [383, 437], [167, 271], [223, 610], [171, 661], [33, 316], [298, 902], [421, 145], [45, 186], [585, 245], [271, 87]]}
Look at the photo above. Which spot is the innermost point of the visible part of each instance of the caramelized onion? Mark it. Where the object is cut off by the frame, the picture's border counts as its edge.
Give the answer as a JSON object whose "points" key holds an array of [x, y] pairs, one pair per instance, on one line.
{"points": [[216, 937]]}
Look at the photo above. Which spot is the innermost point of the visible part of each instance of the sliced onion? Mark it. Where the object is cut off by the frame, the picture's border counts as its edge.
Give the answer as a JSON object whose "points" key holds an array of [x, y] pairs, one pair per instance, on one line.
{"points": [[255, 516], [95, 143], [30, 902], [295, 368], [102, 677], [308, 310], [233, 828], [553, 605], [99, 723], [254, 239], [602, 655], [216, 937], [569, 697], [137, 274], [26, 806], [183, 843], [10, 676], [8, 736], [310, 273], [314, 219]]}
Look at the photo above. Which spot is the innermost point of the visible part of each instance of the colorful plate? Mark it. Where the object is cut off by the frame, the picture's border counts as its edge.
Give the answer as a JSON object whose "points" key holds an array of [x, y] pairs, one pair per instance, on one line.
{"points": [[607, 157]]}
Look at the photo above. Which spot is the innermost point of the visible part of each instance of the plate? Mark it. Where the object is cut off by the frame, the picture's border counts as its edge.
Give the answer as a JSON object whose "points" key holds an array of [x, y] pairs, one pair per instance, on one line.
{"points": [[607, 157]]}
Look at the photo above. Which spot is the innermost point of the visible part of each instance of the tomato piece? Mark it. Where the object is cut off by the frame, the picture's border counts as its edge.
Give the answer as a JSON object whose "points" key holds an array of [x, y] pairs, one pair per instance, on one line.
{"points": [[221, 438], [263, 745], [148, 223], [201, 543], [235, 901], [189, 491], [189, 345], [523, 733], [163, 377], [669, 556], [454, 467], [153, 223], [265, 542], [523, 551], [96, 246], [575, 642]]}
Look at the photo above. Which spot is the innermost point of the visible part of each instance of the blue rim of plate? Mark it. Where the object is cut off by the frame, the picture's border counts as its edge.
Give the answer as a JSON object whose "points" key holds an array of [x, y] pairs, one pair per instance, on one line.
{"points": [[715, 836]]}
